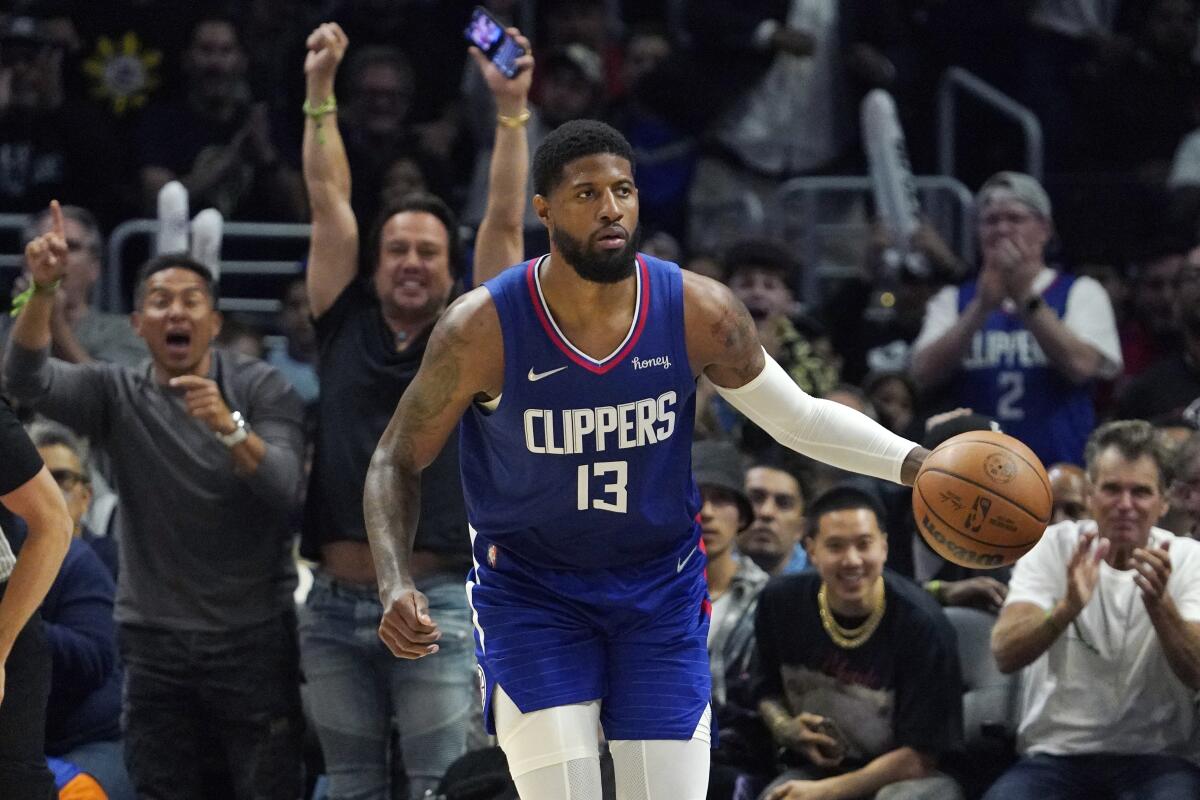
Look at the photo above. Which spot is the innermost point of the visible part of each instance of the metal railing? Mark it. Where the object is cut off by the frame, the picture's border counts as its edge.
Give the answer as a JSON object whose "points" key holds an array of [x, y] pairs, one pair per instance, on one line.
{"points": [[957, 79], [111, 289], [12, 224], [799, 220]]}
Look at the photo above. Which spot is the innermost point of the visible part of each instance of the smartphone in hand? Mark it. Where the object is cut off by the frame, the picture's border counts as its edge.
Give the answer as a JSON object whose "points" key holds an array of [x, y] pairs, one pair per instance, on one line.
{"points": [[488, 34]]}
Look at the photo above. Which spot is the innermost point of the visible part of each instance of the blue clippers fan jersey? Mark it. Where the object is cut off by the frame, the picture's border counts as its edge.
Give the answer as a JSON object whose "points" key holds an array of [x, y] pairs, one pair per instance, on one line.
{"points": [[586, 463], [1007, 375]]}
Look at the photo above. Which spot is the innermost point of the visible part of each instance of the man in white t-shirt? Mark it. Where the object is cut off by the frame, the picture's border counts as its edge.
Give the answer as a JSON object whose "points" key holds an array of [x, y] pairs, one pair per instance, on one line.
{"points": [[1104, 616], [1021, 342]]}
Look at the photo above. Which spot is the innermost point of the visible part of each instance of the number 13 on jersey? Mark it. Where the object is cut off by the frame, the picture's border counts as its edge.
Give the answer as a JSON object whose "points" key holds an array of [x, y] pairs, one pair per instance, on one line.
{"points": [[603, 486]]}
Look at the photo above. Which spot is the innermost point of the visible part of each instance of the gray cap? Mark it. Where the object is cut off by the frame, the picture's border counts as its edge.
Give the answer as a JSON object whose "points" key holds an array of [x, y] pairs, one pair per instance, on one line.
{"points": [[719, 465], [1015, 186]]}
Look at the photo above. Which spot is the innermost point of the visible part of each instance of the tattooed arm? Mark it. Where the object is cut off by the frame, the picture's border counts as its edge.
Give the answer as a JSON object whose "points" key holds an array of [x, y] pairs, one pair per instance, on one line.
{"points": [[463, 362], [723, 345]]}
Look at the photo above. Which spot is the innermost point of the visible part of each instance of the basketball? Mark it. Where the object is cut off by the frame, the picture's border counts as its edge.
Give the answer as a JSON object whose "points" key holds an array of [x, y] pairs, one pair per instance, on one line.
{"points": [[982, 499]]}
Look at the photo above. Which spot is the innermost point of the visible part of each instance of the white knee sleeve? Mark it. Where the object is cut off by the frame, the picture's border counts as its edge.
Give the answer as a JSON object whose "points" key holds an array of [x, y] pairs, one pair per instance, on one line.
{"points": [[553, 754], [663, 769]]}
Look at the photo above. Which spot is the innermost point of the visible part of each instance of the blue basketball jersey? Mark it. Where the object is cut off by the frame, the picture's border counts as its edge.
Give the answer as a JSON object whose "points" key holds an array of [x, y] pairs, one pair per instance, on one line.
{"points": [[1007, 376], [585, 463]]}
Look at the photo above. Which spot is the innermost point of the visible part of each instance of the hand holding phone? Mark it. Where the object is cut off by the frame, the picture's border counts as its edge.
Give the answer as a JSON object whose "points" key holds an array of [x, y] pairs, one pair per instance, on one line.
{"points": [[488, 34]]}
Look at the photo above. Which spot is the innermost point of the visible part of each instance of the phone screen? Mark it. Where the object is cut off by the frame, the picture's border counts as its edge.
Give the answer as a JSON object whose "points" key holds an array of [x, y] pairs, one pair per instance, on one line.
{"points": [[485, 32]]}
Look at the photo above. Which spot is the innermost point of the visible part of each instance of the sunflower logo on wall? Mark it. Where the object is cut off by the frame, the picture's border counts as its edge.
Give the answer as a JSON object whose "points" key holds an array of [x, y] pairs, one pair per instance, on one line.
{"points": [[122, 72]]}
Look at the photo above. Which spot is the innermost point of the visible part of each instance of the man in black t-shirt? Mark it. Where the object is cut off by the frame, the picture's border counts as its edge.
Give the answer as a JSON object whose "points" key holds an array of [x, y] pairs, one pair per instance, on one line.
{"points": [[371, 338], [859, 678], [27, 490]]}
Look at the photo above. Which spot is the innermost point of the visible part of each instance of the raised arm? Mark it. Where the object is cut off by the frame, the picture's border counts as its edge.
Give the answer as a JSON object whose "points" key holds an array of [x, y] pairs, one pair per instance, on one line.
{"points": [[333, 250], [723, 344], [464, 361], [500, 242]]}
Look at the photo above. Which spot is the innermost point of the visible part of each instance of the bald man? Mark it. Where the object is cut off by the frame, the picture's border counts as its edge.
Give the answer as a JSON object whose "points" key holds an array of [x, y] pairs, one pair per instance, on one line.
{"points": [[1069, 485]]}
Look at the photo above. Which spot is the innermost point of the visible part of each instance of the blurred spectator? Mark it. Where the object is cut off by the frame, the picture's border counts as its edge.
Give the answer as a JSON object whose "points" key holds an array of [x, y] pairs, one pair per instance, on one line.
{"points": [[733, 587], [222, 145], [297, 359], [66, 456], [666, 154], [1102, 617], [572, 84], [851, 714], [207, 448], [1141, 104], [241, 336], [874, 317], [1069, 488], [377, 90], [1152, 332], [1064, 36], [371, 334], [762, 274], [1170, 387], [1022, 342], [51, 143], [80, 332], [775, 76], [1183, 518], [777, 499], [592, 24], [83, 716], [894, 397]]}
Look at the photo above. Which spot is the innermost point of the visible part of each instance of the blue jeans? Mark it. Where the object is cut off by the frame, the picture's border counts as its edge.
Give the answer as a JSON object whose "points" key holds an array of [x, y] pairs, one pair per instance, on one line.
{"points": [[357, 691], [213, 714], [1101, 776]]}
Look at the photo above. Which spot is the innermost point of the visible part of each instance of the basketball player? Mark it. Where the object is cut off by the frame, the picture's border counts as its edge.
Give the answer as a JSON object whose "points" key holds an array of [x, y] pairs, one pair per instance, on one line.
{"points": [[574, 377], [28, 490]]}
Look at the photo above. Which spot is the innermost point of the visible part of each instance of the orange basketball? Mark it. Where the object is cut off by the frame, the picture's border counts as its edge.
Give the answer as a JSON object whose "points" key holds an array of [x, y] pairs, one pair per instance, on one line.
{"points": [[982, 499]]}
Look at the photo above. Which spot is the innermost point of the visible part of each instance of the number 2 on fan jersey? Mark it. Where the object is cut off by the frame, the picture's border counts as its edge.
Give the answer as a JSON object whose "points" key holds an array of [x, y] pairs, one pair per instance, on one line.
{"points": [[616, 488]]}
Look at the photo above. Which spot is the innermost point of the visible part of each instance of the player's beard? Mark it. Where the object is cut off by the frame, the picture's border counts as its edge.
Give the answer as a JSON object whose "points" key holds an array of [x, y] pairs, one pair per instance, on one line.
{"points": [[597, 266]]}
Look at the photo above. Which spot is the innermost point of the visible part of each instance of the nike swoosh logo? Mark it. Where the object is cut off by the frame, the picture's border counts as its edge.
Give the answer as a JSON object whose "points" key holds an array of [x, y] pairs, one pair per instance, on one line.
{"points": [[682, 562], [537, 376]]}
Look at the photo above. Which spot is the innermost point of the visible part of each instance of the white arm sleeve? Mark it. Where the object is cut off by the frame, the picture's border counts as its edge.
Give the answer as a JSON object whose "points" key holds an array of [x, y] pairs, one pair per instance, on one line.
{"points": [[820, 429]]}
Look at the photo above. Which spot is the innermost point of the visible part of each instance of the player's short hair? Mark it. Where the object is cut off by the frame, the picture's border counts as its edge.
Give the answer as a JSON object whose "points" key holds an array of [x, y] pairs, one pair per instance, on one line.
{"points": [[1133, 439], [843, 497], [578, 138], [418, 202], [173, 261]]}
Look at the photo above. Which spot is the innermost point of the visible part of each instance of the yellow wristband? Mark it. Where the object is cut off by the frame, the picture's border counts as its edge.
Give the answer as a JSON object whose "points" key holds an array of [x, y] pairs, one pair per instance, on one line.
{"points": [[328, 107], [22, 299], [517, 121], [935, 589]]}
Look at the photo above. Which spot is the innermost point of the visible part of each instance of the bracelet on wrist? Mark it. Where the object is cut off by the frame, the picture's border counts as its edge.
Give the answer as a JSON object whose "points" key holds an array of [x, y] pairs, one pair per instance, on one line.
{"points": [[515, 121], [327, 107], [935, 587], [20, 301]]}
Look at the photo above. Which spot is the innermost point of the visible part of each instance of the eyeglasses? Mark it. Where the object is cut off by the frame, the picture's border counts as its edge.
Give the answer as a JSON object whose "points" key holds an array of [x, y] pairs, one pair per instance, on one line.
{"points": [[68, 479]]}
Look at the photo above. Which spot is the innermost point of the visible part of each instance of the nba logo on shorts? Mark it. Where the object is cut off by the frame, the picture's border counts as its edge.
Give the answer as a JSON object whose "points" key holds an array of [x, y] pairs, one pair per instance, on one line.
{"points": [[482, 683], [491, 556]]}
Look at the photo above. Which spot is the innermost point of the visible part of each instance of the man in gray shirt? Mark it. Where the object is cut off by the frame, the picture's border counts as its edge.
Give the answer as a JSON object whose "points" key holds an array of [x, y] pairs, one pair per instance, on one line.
{"points": [[206, 449]]}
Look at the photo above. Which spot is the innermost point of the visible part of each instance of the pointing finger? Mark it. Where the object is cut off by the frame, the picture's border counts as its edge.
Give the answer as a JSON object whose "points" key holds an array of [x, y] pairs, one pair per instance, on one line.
{"points": [[60, 227]]}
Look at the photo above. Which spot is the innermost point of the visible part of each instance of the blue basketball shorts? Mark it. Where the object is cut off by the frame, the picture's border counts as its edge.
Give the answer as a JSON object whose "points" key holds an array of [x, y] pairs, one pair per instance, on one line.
{"points": [[633, 637]]}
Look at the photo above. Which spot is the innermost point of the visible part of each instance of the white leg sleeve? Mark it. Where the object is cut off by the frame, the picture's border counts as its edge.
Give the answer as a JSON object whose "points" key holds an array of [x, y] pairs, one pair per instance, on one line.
{"points": [[663, 769], [553, 754], [820, 429]]}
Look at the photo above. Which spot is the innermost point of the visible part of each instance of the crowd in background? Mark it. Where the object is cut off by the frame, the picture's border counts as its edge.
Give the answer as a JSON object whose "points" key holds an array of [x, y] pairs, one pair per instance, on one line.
{"points": [[1081, 303]]}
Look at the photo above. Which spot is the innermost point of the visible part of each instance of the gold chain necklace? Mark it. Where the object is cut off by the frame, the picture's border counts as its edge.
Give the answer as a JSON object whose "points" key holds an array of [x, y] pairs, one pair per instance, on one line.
{"points": [[850, 638]]}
